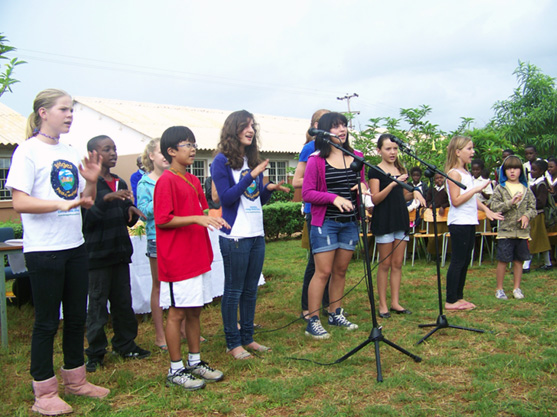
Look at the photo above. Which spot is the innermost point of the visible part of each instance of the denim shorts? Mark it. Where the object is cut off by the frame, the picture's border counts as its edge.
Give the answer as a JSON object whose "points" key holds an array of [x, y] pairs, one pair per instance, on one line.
{"points": [[151, 248], [391, 237], [334, 235]]}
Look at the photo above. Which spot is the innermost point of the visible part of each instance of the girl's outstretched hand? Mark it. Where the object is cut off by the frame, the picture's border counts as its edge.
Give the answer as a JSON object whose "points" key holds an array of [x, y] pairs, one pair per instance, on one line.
{"points": [[259, 169], [494, 216], [278, 186], [90, 167]]}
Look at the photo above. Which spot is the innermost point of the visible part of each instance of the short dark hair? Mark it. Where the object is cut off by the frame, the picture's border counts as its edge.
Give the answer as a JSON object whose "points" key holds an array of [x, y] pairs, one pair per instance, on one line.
{"points": [[509, 151], [479, 163], [415, 169], [541, 164], [531, 147], [172, 136], [94, 142]]}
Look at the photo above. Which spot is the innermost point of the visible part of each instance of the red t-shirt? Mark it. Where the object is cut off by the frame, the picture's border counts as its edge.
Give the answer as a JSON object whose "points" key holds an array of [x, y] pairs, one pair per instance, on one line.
{"points": [[183, 252]]}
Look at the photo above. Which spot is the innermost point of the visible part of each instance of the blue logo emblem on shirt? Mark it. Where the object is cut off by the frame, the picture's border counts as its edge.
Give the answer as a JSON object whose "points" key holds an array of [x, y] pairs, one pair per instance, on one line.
{"points": [[252, 192], [64, 179]]}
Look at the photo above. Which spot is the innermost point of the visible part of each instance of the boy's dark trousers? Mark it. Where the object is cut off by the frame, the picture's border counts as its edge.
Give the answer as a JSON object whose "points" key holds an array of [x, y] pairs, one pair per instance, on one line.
{"points": [[112, 284]]}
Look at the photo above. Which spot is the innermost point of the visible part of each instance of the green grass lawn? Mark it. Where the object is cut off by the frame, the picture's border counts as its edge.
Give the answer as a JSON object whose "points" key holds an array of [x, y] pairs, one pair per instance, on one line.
{"points": [[507, 371]]}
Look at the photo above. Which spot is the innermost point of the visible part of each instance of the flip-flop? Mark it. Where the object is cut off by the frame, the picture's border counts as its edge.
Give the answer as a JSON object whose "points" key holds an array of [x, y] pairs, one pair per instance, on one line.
{"points": [[461, 307], [261, 348], [163, 348]]}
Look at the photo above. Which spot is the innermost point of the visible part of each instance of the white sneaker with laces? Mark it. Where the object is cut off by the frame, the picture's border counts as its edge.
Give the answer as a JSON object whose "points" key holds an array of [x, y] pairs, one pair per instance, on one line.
{"points": [[184, 379], [203, 370], [500, 294], [517, 293]]}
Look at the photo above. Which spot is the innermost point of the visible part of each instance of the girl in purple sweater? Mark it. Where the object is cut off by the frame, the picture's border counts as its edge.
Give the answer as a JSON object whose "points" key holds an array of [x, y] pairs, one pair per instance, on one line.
{"points": [[331, 187]]}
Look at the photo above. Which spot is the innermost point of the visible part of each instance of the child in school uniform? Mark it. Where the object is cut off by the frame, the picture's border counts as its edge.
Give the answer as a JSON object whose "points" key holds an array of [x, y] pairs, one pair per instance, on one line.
{"points": [[184, 256], [517, 203], [540, 241], [109, 247]]}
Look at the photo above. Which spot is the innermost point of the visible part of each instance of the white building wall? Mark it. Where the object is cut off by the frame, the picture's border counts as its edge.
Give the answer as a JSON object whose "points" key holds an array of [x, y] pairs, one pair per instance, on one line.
{"points": [[88, 123]]}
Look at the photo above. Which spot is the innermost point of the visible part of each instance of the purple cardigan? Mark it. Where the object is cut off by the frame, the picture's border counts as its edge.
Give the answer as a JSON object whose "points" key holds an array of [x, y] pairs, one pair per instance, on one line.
{"points": [[314, 188]]}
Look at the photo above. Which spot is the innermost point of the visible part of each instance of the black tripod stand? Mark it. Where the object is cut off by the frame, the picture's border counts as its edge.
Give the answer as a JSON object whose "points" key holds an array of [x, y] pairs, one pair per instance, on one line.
{"points": [[376, 334], [441, 322]]}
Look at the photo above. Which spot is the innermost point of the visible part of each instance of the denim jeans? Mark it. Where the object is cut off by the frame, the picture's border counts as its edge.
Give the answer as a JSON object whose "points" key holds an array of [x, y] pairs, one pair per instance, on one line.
{"points": [[112, 284], [462, 243], [243, 262], [57, 276]]}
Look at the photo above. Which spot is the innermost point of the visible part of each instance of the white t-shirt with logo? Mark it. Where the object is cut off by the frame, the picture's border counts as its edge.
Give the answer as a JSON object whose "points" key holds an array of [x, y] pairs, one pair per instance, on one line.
{"points": [[48, 172], [249, 220]]}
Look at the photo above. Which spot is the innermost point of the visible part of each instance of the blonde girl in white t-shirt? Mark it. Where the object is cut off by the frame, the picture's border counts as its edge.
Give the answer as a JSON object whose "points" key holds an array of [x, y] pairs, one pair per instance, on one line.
{"points": [[49, 184]]}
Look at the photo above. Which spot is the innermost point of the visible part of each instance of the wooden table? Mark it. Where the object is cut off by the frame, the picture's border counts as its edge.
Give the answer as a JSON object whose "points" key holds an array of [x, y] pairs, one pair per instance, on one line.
{"points": [[4, 250]]}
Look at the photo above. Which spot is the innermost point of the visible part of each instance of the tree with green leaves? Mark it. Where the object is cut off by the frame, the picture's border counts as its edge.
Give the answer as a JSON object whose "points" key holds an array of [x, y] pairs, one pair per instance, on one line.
{"points": [[529, 115], [6, 80], [425, 138]]}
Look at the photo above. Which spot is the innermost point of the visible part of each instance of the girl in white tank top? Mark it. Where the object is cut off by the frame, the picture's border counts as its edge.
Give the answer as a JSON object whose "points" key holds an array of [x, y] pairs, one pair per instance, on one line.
{"points": [[463, 217]]}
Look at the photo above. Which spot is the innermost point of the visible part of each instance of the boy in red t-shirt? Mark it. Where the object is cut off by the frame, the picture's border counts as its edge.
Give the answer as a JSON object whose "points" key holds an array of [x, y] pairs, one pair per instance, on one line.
{"points": [[184, 256]]}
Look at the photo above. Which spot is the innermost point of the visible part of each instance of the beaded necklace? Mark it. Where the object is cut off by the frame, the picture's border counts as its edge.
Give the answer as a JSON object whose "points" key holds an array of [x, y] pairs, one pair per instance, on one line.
{"points": [[50, 137]]}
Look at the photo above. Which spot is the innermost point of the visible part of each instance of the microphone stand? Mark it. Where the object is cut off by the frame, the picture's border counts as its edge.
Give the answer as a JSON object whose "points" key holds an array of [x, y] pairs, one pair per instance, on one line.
{"points": [[376, 334], [441, 322]]}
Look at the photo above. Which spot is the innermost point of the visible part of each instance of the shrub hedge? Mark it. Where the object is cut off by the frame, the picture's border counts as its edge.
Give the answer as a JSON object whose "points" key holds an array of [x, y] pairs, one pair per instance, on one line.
{"points": [[282, 218]]}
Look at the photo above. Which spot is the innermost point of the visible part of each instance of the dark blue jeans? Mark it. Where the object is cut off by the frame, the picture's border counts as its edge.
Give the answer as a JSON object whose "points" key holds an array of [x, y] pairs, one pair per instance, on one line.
{"points": [[462, 243], [110, 284], [57, 276], [243, 263]]}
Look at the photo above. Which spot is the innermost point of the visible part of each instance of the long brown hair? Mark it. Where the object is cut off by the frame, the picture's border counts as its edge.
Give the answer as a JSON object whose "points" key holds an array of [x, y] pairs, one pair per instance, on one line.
{"points": [[45, 99], [229, 144]]}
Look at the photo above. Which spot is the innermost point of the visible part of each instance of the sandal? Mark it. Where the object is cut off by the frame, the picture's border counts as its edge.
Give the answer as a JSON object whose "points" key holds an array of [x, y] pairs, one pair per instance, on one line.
{"points": [[259, 348], [241, 355], [163, 348]]}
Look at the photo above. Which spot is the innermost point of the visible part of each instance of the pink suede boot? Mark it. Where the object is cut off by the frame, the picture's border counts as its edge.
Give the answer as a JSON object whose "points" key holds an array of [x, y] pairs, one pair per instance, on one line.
{"points": [[47, 401], [75, 383]]}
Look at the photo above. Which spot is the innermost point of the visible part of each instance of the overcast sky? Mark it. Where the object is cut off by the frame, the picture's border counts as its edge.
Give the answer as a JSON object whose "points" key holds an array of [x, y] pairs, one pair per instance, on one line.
{"points": [[285, 58]]}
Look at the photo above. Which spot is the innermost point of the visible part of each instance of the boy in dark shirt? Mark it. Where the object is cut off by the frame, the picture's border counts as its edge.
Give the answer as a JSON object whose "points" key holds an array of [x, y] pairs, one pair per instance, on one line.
{"points": [[109, 247]]}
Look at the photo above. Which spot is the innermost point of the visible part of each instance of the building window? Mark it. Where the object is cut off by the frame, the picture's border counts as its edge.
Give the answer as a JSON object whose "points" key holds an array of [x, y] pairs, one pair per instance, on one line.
{"points": [[5, 194], [277, 171], [198, 169]]}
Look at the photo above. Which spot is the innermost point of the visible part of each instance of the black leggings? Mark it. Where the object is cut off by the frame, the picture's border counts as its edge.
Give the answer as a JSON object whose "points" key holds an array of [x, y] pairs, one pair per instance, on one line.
{"points": [[57, 276], [462, 243]]}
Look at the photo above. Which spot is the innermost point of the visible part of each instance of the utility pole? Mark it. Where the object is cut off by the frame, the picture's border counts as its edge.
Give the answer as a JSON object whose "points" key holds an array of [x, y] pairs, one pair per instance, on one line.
{"points": [[347, 97]]}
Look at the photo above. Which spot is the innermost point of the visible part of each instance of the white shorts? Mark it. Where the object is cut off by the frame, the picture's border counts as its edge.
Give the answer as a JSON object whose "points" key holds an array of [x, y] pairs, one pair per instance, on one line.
{"points": [[192, 292], [391, 237]]}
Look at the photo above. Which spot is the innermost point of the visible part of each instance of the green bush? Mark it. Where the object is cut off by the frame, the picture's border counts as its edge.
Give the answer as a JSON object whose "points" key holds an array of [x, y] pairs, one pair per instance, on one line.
{"points": [[282, 196], [18, 228], [282, 218]]}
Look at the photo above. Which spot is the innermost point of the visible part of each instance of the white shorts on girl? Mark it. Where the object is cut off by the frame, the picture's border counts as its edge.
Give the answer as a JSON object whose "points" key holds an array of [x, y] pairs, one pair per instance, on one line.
{"points": [[192, 292]]}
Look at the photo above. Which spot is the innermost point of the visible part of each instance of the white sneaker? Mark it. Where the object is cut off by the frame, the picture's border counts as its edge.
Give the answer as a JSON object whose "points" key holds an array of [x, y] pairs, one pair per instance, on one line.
{"points": [[517, 293], [500, 294], [184, 379], [203, 370]]}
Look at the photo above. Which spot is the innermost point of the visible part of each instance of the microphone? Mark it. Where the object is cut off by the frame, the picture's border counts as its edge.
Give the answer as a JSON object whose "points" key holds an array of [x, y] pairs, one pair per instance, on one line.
{"points": [[399, 142], [313, 132]]}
